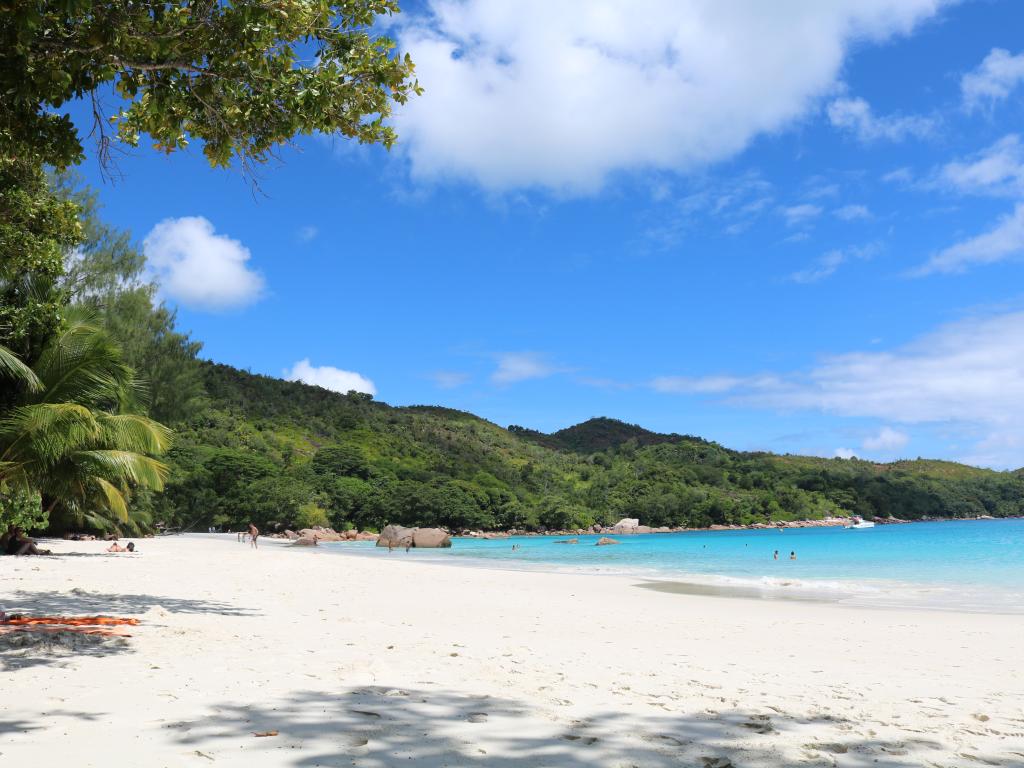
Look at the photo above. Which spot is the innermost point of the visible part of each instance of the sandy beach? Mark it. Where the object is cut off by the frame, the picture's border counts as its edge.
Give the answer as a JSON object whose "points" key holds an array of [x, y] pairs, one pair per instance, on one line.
{"points": [[388, 661]]}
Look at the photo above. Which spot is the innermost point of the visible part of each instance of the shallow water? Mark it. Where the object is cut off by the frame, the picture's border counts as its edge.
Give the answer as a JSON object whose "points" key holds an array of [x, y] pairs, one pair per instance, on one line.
{"points": [[973, 565]]}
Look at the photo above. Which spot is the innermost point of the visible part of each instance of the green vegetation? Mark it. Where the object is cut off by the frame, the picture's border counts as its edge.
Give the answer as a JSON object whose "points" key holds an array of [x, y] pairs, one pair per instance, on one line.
{"points": [[79, 332], [76, 454], [266, 450], [241, 77], [74, 439]]}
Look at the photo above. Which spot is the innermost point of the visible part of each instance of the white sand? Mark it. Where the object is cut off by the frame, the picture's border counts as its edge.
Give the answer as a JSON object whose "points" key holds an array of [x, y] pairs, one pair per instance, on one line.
{"points": [[389, 661]]}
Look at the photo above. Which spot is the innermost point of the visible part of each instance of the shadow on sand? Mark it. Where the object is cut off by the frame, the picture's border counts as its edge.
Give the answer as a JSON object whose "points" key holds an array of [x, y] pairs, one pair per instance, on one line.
{"points": [[22, 650], [79, 602], [374, 727]]}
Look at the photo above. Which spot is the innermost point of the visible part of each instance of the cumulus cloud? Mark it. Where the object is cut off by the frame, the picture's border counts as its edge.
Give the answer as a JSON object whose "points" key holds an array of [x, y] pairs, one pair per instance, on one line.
{"points": [[199, 268], [1004, 241], [994, 79], [995, 170], [329, 377], [886, 440], [845, 453], [562, 95], [520, 366], [967, 376], [857, 117], [852, 212]]}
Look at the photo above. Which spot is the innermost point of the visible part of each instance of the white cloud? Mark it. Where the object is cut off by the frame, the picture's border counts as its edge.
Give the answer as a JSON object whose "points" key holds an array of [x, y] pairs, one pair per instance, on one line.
{"points": [[702, 385], [845, 453], [307, 234], [898, 176], [734, 204], [816, 189], [967, 376], [520, 366], [997, 75], [887, 440], [852, 212], [329, 377], [1004, 241], [199, 268], [562, 95], [856, 116], [449, 379], [997, 170], [799, 214], [833, 260]]}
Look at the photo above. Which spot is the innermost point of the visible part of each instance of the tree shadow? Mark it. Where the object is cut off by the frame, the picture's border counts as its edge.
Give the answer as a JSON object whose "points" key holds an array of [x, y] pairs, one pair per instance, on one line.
{"points": [[374, 727], [81, 602], [23, 650]]}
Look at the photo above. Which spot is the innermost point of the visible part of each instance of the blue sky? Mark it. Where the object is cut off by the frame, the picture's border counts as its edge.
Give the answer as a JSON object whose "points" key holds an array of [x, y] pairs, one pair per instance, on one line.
{"points": [[795, 230]]}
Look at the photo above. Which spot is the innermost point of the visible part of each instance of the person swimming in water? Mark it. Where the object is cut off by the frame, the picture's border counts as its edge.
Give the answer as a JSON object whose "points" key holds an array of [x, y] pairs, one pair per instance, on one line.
{"points": [[792, 555], [776, 555]]}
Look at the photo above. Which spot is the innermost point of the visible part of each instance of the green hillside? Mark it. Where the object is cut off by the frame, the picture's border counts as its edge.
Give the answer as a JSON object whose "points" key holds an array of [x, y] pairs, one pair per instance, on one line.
{"points": [[284, 453]]}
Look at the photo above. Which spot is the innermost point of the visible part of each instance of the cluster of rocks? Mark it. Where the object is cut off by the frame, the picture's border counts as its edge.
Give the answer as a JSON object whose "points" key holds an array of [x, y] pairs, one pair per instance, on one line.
{"points": [[397, 536], [630, 526], [310, 537]]}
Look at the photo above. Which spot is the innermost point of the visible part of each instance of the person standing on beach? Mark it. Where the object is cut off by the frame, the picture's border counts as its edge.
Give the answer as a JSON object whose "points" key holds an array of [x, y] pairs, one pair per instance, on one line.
{"points": [[254, 533]]}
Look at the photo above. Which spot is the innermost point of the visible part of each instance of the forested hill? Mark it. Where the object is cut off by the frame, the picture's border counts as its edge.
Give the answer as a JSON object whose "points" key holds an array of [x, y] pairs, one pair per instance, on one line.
{"points": [[286, 453]]}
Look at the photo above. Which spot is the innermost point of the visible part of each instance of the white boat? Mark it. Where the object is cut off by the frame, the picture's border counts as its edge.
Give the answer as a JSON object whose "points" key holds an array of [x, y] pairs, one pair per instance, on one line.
{"points": [[859, 522]]}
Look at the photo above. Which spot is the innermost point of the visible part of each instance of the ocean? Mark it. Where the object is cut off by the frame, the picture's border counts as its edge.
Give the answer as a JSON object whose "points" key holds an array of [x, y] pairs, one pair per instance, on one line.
{"points": [[964, 565]]}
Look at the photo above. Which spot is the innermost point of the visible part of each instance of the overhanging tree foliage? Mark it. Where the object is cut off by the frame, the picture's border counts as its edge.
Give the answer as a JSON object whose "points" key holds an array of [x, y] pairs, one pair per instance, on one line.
{"points": [[241, 76]]}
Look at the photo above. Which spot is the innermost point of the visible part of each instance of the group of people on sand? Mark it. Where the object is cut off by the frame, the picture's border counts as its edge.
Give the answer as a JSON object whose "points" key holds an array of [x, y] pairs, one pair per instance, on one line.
{"points": [[253, 533], [15, 542]]}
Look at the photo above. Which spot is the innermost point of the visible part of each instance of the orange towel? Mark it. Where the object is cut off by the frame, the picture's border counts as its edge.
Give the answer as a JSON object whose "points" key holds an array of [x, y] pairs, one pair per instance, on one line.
{"points": [[58, 629], [75, 621]]}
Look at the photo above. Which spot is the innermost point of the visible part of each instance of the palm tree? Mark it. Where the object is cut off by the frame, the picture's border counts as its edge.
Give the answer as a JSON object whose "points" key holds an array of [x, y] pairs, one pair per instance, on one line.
{"points": [[74, 432]]}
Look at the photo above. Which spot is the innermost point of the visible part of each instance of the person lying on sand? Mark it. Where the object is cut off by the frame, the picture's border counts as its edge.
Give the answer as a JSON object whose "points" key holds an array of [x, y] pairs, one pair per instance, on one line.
{"points": [[20, 544], [115, 547]]}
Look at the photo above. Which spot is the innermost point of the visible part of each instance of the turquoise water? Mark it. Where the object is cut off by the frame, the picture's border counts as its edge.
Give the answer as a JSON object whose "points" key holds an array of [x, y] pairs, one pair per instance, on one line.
{"points": [[973, 565]]}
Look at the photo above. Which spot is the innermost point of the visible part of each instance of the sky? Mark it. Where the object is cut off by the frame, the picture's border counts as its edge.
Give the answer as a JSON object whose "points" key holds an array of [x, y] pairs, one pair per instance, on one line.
{"points": [[792, 226]]}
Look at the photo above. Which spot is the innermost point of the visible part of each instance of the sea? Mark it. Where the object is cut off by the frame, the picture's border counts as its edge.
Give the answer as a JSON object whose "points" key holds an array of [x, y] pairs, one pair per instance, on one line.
{"points": [[960, 565]]}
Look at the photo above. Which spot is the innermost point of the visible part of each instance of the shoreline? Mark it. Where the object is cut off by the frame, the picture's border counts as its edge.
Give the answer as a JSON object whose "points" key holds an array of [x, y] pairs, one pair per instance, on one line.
{"points": [[866, 594], [835, 522], [353, 661]]}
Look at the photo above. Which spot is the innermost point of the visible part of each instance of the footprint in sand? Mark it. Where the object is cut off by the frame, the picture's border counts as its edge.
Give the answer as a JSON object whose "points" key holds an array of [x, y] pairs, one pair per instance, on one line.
{"points": [[759, 724], [664, 738], [587, 740], [834, 747]]}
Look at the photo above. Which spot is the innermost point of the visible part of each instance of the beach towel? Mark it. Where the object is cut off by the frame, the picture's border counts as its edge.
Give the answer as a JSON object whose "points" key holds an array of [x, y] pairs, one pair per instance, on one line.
{"points": [[74, 621]]}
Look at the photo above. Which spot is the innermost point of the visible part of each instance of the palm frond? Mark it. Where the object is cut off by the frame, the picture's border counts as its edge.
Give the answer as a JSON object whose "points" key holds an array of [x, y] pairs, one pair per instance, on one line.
{"points": [[43, 433], [131, 432], [113, 497], [123, 466], [11, 367]]}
